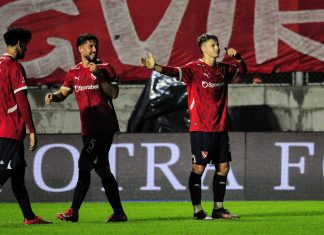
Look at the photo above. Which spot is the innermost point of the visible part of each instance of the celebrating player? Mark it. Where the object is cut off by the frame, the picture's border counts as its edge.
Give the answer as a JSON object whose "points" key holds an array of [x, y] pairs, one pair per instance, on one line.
{"points": [[207, 82], [15, 114], [95, 85]]}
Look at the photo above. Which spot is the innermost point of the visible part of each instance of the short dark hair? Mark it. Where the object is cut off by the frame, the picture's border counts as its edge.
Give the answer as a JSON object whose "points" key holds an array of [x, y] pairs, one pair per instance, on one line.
{"points": [[205, 37], [84, 38], [15, 35]]}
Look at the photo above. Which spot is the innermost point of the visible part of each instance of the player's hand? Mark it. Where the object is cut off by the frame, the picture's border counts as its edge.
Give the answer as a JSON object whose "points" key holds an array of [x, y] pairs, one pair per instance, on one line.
{"points": [[233, 53], [149, 61], [32, 141], [93, 67], [48, 98]]}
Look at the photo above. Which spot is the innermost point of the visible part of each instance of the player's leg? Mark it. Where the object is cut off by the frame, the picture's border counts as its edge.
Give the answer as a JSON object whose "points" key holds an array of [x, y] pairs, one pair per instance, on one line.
{"points": [[199, 162], [222, 168], [85, 164], [20, 191], [4, 176], [110, 185], [219, 184], [108, 180]]}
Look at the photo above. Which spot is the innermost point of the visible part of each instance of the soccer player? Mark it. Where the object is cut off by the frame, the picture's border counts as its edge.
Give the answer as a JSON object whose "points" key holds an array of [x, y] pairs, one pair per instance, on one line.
{"points": [[207, 82], [94, 84], [15, 114]]}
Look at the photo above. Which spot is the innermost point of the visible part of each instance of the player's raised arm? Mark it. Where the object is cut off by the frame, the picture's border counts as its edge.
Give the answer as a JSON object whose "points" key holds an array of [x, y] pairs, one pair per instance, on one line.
{"points": [[150, 63], [108, 85], [240, 61]]}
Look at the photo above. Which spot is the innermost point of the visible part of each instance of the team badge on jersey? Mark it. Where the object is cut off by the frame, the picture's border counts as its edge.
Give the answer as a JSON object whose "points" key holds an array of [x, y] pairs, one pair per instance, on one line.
{"points": [[204, 154]]}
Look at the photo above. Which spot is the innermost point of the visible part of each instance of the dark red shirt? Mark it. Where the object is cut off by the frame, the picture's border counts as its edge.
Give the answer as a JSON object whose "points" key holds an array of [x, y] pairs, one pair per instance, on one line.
{"points": [[12, 80], [97, 113], [207, 94]]}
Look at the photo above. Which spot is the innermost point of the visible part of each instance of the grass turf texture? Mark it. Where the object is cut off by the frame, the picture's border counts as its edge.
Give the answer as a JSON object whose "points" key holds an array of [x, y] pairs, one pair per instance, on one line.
{"points": [[261, 217]]}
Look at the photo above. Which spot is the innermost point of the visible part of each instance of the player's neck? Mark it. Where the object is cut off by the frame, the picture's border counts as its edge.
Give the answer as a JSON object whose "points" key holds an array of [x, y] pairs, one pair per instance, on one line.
{"points": [[85, 62], [211, 61], [12, 51]]}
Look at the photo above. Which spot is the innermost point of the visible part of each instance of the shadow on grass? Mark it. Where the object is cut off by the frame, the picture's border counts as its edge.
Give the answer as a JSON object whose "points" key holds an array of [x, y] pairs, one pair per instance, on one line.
{"points": [[285, 214]]}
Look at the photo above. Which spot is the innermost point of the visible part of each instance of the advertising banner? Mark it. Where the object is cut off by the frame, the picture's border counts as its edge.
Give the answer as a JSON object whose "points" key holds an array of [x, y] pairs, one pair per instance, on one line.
{"points": [[265, 166]]}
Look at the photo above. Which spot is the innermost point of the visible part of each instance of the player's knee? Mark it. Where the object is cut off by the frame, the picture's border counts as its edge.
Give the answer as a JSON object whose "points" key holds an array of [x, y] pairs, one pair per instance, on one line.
{"points": [[198, 169], [223, 169], [103, 171]]}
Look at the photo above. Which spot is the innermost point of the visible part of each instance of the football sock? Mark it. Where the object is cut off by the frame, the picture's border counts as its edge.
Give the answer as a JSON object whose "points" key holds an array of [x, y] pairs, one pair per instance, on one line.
{"points": [[112, 192], [81, 190], [195, 188], [218, 205], [219, 187], [197, 208], [19, 189]]}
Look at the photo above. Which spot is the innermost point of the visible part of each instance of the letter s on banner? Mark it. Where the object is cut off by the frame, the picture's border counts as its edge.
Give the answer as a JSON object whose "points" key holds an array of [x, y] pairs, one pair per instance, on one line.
{"points": [[37, 168]]}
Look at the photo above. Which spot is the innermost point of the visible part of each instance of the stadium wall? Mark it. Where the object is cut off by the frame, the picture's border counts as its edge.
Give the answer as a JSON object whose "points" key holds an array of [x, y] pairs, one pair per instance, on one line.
{"points": [[284, 108], [266, 166]]}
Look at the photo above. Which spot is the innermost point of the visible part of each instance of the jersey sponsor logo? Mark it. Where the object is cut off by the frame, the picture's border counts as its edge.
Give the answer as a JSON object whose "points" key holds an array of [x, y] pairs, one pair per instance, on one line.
{"points": [[211, 84], [88, 87], [204, 154], [77, 78]]}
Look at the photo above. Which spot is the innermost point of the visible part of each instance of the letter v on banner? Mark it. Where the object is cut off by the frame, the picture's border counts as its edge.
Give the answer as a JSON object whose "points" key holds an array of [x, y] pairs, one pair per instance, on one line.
{"points": [[268, 29], [119, 22]]}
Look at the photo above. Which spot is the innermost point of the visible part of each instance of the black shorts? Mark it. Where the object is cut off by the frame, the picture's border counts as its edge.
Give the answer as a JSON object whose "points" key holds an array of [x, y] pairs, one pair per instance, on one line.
{"points": [[11, 154], [95, 151], [207, 147]]}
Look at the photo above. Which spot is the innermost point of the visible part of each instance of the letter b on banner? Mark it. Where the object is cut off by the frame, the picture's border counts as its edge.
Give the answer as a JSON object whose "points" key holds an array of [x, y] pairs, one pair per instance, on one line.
{"points": [[38, 167]]}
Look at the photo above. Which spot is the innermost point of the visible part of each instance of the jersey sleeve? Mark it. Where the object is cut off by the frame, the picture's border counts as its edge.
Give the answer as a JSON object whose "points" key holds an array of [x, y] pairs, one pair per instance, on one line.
{"points": [[18, 81], [108, 72], [186, 73], [232, 70], [67, 83]]}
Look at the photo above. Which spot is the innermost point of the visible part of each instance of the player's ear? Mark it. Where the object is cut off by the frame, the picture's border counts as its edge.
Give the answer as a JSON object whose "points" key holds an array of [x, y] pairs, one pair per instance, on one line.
{"points": [[80, 48], [203, 47]]}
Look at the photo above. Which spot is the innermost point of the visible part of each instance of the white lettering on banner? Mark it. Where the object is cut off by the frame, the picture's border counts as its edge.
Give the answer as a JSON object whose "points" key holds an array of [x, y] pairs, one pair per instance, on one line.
{"points": [[268, 29], [232, 183], [62, 55], [220, 21], [113, 155], [38, 176], [164, 167], [120, 25], [285, 165]]}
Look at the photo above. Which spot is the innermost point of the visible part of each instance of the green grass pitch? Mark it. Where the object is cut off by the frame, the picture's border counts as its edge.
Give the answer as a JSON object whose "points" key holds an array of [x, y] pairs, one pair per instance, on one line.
{"points": [[260, 217]]}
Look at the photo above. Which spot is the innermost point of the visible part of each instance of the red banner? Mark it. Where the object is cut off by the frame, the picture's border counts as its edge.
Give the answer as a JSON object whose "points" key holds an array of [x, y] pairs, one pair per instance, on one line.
{"points": [[272, 35]]}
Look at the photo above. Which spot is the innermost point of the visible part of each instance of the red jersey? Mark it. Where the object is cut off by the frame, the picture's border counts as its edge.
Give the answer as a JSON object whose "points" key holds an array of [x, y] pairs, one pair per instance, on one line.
{"points": [[207, 94], [97, 113], [12, 80]]}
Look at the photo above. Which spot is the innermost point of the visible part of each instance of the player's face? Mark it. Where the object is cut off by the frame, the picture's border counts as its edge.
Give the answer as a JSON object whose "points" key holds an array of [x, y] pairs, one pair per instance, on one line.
{"points": [[89, 50], [210, 48], [21, 50]]}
